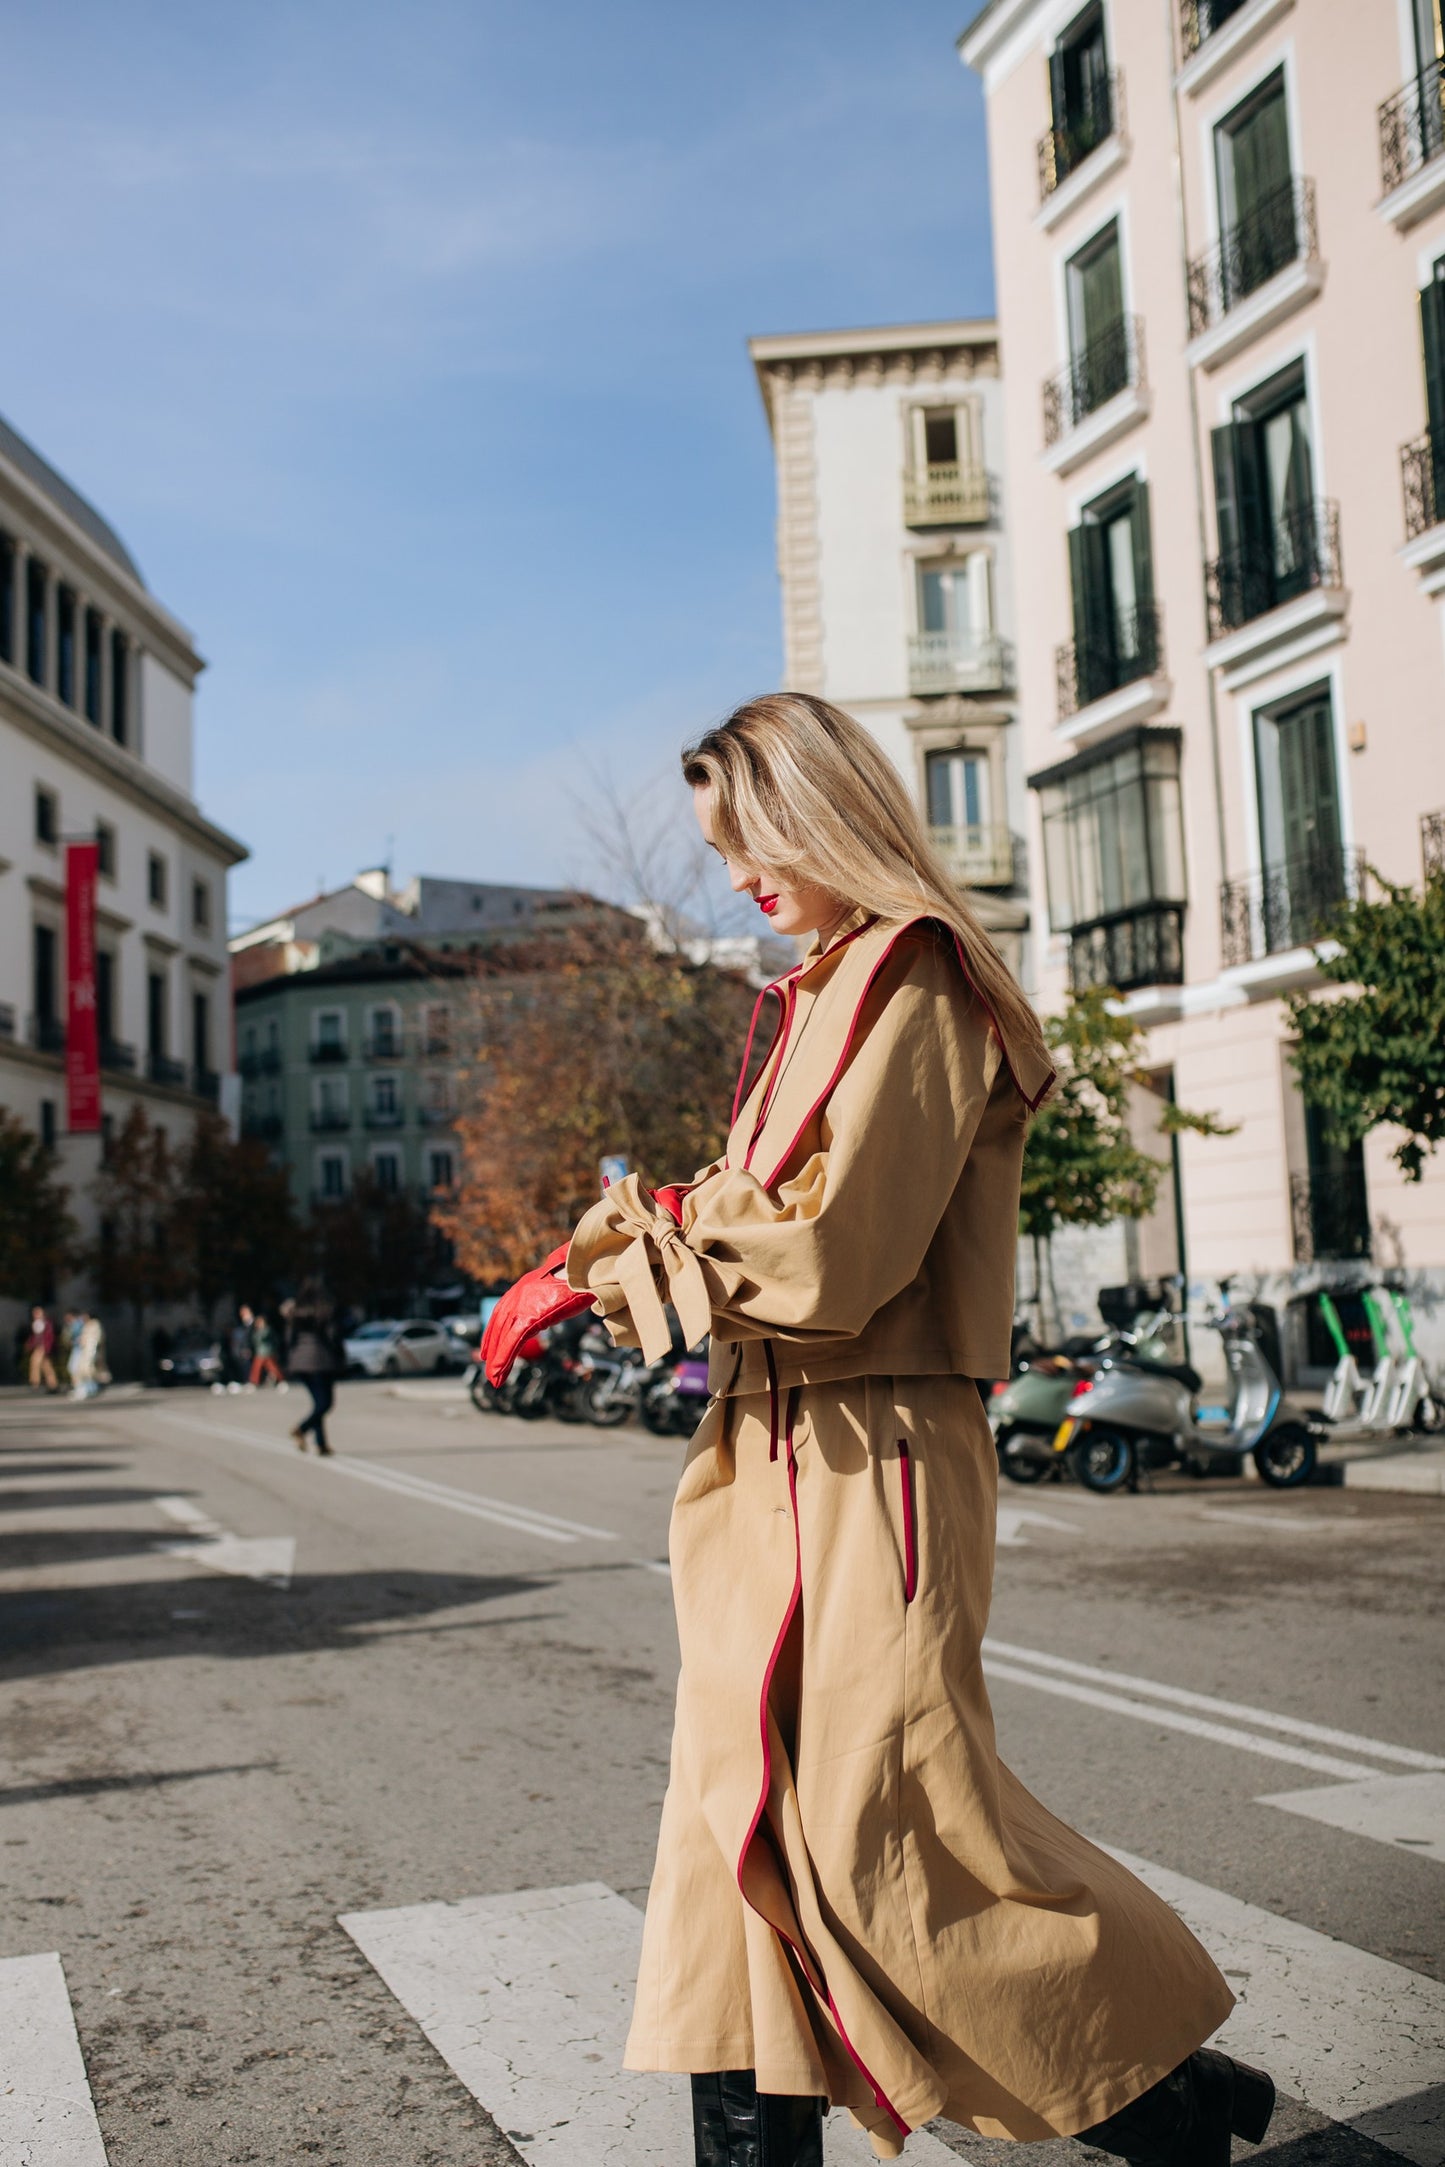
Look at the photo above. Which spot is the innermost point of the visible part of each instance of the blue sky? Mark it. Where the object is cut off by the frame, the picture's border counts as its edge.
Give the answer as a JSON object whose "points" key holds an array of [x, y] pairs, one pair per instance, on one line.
{"points": [[405, 346]]}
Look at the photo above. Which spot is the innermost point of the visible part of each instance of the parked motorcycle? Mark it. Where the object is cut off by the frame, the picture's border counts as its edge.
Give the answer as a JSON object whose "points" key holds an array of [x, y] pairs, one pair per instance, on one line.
{"points": [[1026, 1412], [673, 1404], [1131, 1418]]}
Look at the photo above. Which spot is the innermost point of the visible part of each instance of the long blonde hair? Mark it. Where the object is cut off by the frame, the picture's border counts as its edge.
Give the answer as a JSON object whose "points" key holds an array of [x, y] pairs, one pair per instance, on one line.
{"points": [[801, 790]]}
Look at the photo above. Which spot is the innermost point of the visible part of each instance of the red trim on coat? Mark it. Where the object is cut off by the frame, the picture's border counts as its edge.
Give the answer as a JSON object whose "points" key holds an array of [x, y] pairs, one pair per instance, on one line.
{"points": [[806, 1964], [780, 1043], [910, 1524], [776, 985]]}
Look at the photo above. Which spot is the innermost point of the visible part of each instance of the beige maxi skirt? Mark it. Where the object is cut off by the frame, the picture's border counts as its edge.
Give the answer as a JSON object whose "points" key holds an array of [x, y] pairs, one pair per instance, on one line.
{"points": [[853, 1895]]}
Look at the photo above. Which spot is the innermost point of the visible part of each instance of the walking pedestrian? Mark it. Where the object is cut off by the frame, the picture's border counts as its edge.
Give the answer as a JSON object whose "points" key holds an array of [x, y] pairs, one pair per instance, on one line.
{"points": [[87, 1362], [263, 1354], [240, 1347], [854, 1899], [40, 1352], [311, 1359]]}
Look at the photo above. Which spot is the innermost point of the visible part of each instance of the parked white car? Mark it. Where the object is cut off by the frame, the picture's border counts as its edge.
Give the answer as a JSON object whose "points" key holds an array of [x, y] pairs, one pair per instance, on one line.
{"points": [[401, 1347]]}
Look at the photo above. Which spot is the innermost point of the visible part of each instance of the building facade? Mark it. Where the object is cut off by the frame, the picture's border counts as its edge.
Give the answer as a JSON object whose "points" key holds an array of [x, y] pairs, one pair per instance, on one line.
{"points": [[897, 603], [1219, 235], [96, 687]]}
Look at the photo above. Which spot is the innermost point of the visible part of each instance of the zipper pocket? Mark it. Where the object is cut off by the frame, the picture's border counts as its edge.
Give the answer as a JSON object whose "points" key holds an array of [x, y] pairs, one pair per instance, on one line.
{"points": [[910, 1523]]}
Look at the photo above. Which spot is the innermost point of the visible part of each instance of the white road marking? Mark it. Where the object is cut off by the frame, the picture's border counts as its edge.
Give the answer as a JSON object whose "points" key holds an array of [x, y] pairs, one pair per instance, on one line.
{"points": [[526, 1998], [47, 2118], [1278, 1523], [1013, 1518], [269, 1558], [1407, 1811], [1206, 1703], [520, 1519], [1356, 2038]]}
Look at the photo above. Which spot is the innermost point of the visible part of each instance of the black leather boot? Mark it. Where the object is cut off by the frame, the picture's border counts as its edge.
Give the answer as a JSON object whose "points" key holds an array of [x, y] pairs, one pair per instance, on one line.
{"points": [[1188, 2117], [736, 2125]]}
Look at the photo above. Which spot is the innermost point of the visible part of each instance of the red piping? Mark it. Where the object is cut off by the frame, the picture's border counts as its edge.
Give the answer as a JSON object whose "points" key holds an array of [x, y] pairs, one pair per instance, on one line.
{"points": [[808, 1967], [752, 1033], [910, 1525], [790, 1010]]}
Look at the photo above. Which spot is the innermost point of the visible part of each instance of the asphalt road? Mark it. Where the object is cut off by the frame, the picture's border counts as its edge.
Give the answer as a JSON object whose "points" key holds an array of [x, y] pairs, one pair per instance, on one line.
{"points": [[245, 1693]]}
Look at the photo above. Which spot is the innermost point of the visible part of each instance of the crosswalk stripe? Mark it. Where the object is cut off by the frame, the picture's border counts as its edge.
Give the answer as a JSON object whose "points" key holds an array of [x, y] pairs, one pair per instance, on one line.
{"points": [[47, 2117], [1406, 1811], [526, 1997], [1357, 2038]]}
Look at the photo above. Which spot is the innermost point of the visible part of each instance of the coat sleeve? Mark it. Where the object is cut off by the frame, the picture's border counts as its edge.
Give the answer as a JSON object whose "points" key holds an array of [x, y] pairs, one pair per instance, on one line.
{"points": [[848, 1223]]}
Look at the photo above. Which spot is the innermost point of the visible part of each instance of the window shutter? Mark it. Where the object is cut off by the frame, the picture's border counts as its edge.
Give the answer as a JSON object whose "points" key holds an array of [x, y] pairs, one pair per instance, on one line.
{"points": [[1223, 443], [1078, 579], [1143, 546], [1432, 331], [1058, 89]]}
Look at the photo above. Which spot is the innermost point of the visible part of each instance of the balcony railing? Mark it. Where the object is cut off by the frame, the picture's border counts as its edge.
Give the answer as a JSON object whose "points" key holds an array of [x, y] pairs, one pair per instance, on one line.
{"points": [[383, 1117], [950, 495], [1199, 19], [435, 1117], [265, 1127], [328, 1050], [1280, 230], [1095, 664], [163, 1068], [1432, 845], [46, 1034], [118, 1057], [265, 1062], [958, 662], [1111, 363], [1289, 905], [384, 1046], [205, 1082], [1412, 126], [7, 1020], [1422, 472], [326, 1120], [1330, 1216], [1127, 949], [1064, 147], [1302, 552], [977, 856]]}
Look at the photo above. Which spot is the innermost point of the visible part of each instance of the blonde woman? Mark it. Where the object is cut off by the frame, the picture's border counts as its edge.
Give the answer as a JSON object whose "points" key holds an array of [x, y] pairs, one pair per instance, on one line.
{"points": [[854, 1900]]}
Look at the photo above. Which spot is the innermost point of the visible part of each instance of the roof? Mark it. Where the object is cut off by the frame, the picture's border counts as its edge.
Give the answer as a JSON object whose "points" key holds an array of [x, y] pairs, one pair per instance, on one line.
{"points": [[875, 339], [27, 460]]}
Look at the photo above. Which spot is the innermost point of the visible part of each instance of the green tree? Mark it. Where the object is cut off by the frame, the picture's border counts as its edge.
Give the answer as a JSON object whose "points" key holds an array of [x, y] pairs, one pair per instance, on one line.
{"points": [[136, 1258], [376, 1250], [37, 1232], [1081, 1164], [1376, 1055]]}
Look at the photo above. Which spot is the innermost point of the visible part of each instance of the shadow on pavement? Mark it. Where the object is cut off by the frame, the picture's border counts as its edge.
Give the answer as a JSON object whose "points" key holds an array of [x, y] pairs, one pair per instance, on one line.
{"points": [[32, 1794]]}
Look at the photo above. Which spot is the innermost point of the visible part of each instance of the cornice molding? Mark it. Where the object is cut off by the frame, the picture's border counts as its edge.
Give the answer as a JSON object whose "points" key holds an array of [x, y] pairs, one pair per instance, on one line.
{"points": [[900, 354]]}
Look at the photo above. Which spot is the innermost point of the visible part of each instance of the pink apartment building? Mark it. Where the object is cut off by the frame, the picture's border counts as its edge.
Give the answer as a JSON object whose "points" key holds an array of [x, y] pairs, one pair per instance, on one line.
{"points": [[1219, 232]]}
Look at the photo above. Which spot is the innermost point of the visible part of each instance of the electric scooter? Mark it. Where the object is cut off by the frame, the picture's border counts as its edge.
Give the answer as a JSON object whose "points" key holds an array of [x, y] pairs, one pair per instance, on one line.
{"points": [[1412, 1403], [1347, 1391], [1131, 1418]]}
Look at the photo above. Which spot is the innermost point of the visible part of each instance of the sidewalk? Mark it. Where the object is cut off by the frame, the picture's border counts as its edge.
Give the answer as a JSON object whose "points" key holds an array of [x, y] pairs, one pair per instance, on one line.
{"points": [[1415, 1468]]}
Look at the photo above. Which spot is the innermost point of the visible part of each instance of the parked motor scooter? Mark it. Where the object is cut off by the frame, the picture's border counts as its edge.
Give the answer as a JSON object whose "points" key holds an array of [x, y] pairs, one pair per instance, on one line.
{"points": [[1025, 1413], [1131, 1418], [676, 1400]]}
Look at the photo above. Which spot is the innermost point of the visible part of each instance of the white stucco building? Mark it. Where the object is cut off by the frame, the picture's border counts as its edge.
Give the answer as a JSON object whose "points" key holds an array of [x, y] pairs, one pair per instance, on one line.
{"points": [[96, 685], [896, 597]]}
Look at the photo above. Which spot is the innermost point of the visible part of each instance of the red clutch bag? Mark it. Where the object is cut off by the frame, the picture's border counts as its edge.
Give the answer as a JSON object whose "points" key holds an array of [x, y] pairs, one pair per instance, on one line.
{"points": [[539, 1298]]}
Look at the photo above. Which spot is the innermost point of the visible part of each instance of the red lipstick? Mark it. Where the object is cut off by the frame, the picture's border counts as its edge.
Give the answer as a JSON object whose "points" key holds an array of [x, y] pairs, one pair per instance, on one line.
{"points": [[768, 903]]}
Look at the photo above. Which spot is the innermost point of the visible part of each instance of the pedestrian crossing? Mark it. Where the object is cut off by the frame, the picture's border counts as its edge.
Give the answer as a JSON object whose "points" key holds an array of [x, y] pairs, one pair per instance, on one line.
{"points": [[526, 1997]]}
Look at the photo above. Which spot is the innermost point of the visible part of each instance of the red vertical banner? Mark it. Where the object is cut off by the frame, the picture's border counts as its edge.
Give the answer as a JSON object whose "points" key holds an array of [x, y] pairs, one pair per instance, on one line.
{"points": [[82, 1024]]}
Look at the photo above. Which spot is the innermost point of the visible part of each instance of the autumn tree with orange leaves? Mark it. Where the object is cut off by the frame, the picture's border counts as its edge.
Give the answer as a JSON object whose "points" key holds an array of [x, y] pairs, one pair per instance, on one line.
{"points": [[587, 1044]]}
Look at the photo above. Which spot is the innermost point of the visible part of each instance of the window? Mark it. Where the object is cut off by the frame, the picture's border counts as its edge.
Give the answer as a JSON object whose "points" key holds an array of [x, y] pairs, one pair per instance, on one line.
{"points": [[201, 905], [1305, 873], [330, 1103], [43, 980], [47, 816], [36, 619], [1116, 622], [439, 1169], [1424, 463], [65, 607], [7, 598], [1114, 860], [1275, 539], [156, 1033], [954, 598], [385, 1032], [92, 666], [958, 789], [1079, 96], [1101, 347], [328, 1034], [201, 1033], [120, 688], [49, 1127], [1259, 230], [105, 845], [156, 882], [105, 998], [331, 1175], [438, 1031], [386, 1167], [947, 482]]}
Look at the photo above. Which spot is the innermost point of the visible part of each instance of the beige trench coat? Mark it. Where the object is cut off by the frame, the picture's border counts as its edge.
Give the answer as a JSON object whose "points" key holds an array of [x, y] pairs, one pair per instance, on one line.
{"points": [[853, 1895]]}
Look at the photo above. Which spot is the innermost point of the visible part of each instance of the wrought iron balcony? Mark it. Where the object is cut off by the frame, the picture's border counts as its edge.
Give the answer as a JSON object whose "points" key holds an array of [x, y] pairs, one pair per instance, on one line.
{"points": [[385, 1046], [1302, 551], [1199, 19], [1097, 663], [958, 662], [1279, 231], [1422, 472], [205, 1082], [7, 1020], [1109, 364], [1432, 845], [326, 1120], [1330, 1216], [977, 856], [117, 1056], [266, 1128], [1412, 126], [1064, 147], [1289, 905], [948, 495], [435, 1117], [163, 1068], [47, 1034], [1128, 949], [325, 1050], [265, 1062], [383, 1117]]}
